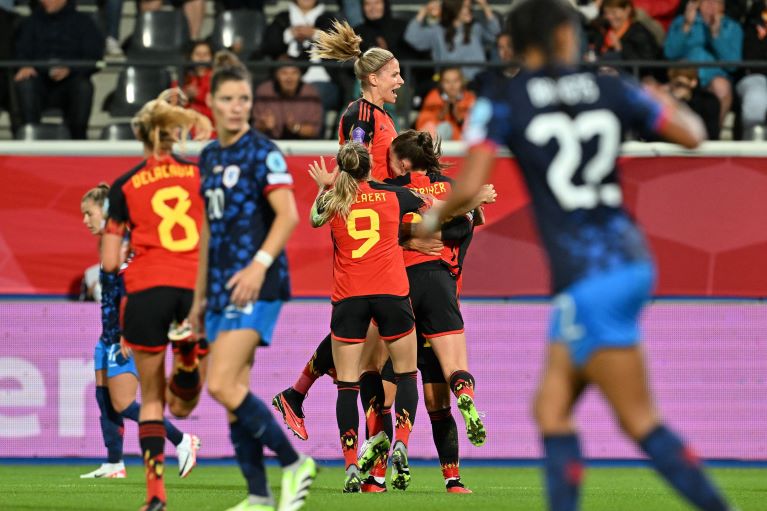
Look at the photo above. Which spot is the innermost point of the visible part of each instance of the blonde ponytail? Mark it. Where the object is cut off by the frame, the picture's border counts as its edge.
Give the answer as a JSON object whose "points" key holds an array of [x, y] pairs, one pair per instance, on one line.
{"points": [[354, 165]]}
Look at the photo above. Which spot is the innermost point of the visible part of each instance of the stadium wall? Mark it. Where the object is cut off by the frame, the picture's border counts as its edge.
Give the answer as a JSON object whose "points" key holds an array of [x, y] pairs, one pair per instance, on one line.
{"points": [[702, 211], [707, 363]]}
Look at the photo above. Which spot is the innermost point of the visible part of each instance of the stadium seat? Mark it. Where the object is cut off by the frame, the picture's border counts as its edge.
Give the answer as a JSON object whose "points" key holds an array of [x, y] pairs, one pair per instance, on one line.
{"points": [[43, 131], [118, 131], [242, 25], [159, 34], [136, 86]]}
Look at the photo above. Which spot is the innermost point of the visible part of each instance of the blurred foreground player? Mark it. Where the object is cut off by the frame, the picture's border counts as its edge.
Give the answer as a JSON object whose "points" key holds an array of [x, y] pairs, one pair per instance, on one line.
{"points": [[565, 127], [159, 202]]}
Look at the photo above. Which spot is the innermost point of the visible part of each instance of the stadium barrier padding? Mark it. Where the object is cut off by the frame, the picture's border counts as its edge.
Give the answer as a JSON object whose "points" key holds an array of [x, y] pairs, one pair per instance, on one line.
{"points": [[703, 213]]}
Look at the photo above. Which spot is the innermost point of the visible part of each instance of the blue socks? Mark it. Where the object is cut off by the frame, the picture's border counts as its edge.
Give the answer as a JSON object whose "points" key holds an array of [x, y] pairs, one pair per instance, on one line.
{"points": [[255, 417], [564, 470], [171, 432], [681, 468], [249, 452], [132, 411], [111, 426]]}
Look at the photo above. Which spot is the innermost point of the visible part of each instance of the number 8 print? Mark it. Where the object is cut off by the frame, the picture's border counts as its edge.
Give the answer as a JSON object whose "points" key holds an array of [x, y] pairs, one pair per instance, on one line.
{"points": [[371, 235], [172, 216]]}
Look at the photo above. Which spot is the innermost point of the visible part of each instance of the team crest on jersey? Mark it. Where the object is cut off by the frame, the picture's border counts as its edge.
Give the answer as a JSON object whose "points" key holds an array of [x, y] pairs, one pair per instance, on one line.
{"points": [[217, 169], [231, 176], [275, 162]]}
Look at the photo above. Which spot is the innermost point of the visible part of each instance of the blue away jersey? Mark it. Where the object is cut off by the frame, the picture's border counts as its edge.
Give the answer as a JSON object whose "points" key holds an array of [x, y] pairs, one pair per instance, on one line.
{"points": [[565, 127], [235, 183], [112, 291]]}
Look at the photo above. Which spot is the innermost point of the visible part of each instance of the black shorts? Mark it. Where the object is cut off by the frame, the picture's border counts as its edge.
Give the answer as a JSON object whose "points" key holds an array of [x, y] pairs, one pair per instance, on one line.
{"points": [[149, 314], [428, 365], [434, 295], [351, 318]]}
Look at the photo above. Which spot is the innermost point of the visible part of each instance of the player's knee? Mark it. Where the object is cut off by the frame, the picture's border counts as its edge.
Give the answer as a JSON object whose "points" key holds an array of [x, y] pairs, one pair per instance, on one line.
{"points": [[120, 403], [181, 409], [221, 389], [550, 417]]}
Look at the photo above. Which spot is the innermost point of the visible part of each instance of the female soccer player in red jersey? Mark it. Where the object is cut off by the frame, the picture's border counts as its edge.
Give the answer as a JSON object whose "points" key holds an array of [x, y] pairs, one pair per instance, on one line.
{"points": [[159, 202], [116, 374], [366, 122], [243, 280], [370, 284]]}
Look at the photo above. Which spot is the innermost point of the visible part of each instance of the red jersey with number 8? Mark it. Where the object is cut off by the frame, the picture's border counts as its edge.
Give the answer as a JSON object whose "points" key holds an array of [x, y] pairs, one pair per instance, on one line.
{"points": [[367, 257], [159, 202]]}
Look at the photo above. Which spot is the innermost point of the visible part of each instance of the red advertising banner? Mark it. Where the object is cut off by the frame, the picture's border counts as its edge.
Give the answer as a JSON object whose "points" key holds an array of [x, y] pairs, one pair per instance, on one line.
{"points": [[704, 217]]}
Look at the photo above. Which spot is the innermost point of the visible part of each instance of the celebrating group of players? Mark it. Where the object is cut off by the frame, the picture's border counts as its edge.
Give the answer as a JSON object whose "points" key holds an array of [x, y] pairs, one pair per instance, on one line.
{"points": [[394, 216]]}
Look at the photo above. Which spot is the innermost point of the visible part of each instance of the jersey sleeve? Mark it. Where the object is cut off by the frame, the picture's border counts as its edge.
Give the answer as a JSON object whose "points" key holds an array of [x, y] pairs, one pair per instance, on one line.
{"points": [[640, 111], [488, 123], [358, 124], [409, 202], [275, 172], [116, 209]]}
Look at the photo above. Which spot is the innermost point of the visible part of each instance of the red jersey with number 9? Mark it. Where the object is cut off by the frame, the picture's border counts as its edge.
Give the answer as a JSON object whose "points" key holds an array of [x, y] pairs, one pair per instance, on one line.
{"points": [[367, 257], [159, 202]]}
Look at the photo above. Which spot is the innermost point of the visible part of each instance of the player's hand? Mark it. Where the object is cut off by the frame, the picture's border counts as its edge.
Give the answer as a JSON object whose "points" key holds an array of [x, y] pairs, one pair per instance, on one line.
{"points": [[125, 350], [320, 174], [246, 284], [487, 194], [430, 246], [690, 12], [196, 318]]}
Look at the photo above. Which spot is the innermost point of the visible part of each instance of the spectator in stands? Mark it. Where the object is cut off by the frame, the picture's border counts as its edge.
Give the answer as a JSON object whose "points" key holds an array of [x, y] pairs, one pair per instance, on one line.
{"points": [[285, 108], [752, 88], [457, 37], [384, 30], [291, 32], [194, 10], [624, 38], [705, 34], [505, 53], [8, 20], [684, 86], [445, 108], [196, 84], [55, 30], [111, 12]]}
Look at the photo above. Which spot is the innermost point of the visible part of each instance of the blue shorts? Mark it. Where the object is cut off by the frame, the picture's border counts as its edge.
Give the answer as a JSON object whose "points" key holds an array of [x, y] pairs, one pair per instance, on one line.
{"points": [[109, 357], [601, 311], [260, 316]]}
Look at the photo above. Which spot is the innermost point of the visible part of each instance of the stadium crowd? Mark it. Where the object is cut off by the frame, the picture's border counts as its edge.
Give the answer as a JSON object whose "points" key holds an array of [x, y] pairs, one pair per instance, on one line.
{"points": [[286, 106]]}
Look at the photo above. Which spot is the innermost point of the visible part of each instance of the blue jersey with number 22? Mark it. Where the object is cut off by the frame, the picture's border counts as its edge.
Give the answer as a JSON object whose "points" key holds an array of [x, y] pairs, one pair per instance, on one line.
{"points": [[565, 127]]}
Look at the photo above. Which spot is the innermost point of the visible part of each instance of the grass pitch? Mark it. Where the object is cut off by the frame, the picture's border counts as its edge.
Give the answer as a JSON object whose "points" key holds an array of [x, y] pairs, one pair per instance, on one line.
{"points": [[215, 487]]}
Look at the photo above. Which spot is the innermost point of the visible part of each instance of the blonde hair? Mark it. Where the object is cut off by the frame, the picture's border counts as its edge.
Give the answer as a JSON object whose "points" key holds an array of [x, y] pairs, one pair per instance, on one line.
{"points": [[98, 194], [343, 44], [161, 122], [354, 163]]}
